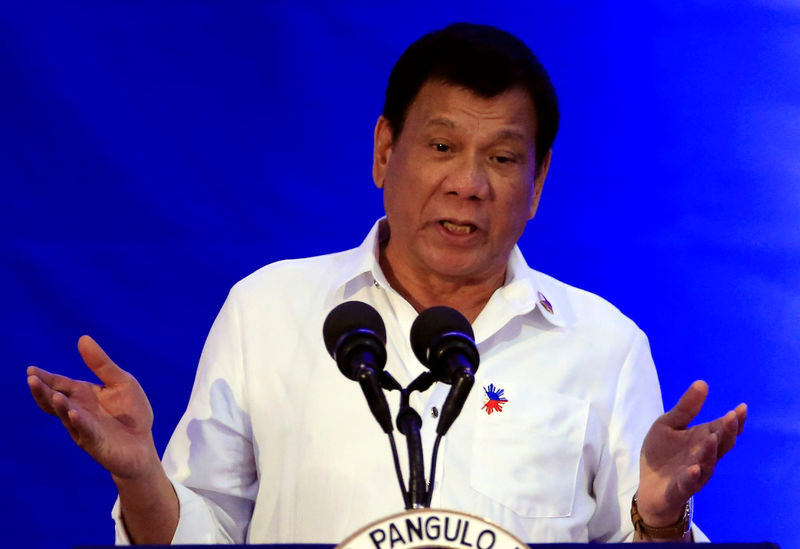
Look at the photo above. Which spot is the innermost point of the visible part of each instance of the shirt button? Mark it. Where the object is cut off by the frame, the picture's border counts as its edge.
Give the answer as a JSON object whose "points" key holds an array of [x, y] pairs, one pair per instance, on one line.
{"points": [[435, 412], [377, 284]]}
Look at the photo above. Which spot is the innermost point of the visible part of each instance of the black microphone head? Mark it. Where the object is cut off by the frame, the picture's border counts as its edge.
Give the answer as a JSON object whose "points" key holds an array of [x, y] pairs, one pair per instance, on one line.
{"points": [[348, 317], [352, 327], [431, 324], [440, 330]]}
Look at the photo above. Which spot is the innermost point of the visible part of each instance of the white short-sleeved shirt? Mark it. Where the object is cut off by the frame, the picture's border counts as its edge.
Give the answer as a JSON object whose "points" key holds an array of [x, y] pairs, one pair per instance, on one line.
{"points": [[276, 446]]}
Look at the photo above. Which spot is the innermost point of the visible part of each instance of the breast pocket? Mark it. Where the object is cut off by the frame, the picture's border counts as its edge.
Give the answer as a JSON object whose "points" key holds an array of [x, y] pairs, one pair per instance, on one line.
{"points": [[527, 457]]}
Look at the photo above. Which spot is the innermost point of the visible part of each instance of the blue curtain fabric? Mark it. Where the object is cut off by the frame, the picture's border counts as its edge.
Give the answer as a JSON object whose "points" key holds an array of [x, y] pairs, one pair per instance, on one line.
{"points": [[152, 154]]}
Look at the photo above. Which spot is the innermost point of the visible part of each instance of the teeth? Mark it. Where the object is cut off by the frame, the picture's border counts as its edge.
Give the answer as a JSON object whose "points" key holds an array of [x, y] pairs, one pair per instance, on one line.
{"points": [[459, 229]]}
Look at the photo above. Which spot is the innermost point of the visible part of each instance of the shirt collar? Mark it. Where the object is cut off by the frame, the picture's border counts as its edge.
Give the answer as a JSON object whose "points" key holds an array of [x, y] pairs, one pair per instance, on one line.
{"points": [[524, 289], [361, 264]]}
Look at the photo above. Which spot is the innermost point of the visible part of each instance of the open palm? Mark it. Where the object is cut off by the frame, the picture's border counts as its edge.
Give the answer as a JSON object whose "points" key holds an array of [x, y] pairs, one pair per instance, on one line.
{"points": [[112, 422], [678, 460]]}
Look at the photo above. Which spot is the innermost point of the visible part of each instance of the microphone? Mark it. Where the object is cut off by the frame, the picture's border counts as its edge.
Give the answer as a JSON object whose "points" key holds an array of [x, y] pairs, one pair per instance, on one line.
{"points": [[355, 337], [443, 341]]}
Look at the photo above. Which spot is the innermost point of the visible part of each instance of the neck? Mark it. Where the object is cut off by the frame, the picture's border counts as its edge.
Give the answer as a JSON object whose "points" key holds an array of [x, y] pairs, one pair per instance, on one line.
{"points": [[424, 290]]}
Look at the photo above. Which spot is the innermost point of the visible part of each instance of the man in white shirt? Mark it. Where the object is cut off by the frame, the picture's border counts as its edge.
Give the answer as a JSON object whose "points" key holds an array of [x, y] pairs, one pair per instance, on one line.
{"points": [[461, 152]]}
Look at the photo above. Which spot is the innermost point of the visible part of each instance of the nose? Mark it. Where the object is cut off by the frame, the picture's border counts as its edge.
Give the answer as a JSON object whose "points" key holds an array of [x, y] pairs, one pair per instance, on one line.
{"points": [[468, 179]]}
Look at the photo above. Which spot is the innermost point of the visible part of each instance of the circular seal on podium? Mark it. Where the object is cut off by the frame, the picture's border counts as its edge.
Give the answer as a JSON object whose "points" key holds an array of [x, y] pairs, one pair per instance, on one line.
{"points": [[429, 528]]}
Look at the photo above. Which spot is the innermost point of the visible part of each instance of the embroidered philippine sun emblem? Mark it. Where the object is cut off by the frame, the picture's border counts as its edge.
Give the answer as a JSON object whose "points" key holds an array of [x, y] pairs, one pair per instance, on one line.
{"points": [[494, 399]]}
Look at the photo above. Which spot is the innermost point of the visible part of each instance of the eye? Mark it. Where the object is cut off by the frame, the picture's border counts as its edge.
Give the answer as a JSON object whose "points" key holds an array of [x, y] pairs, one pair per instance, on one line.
{"points": [[500, 159], [441, 147]]}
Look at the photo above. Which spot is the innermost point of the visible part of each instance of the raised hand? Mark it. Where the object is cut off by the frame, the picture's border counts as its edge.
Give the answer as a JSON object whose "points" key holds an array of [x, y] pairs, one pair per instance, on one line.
{"points": [[112, 422], [678, 460]]}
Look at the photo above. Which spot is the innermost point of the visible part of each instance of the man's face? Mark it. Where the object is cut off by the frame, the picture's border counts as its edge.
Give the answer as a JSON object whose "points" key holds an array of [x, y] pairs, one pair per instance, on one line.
{"points": [[459, 181]]}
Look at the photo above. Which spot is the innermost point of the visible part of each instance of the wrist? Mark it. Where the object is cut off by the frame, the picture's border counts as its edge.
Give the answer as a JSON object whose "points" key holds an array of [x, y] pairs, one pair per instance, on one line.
{"points": [[148, 470], [658, 517], [661, 526]]}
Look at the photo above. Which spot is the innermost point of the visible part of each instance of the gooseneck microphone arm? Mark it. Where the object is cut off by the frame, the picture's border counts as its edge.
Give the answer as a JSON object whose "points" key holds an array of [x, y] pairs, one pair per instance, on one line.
{"points": [[409, 423], [369, 381], [432, 483], [389, 383], [461, 381], [399, 473]]}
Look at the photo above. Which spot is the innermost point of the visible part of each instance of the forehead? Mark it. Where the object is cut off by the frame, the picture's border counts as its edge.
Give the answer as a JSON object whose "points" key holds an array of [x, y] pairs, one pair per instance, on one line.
{"points": [[441, 105]]}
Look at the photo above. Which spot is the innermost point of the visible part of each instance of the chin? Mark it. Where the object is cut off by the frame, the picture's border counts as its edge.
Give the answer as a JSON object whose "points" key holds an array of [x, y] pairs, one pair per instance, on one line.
{"points": [[461, 270], [454, 263]]}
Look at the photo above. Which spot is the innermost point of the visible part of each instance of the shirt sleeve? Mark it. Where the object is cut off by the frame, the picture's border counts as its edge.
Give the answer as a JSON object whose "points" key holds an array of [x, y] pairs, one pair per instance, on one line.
{"points": [[637, 405], [210, 458]]}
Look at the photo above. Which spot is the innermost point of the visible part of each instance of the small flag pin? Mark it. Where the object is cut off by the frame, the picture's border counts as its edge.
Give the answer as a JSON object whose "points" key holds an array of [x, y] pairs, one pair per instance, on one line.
{"points": [[546, 304]]}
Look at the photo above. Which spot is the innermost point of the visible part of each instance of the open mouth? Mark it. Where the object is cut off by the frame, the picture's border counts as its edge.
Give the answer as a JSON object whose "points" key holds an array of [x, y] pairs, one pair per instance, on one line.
{"points": [[457, 228]]}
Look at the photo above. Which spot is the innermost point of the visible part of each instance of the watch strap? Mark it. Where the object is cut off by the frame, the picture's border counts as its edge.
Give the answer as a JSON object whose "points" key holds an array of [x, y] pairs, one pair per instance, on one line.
{"points": [[673, 531]]}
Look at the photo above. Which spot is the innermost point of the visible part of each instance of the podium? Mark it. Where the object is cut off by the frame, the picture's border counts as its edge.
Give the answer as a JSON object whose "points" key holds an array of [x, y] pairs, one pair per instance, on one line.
{"points": [[764, 545], [445, 529]]}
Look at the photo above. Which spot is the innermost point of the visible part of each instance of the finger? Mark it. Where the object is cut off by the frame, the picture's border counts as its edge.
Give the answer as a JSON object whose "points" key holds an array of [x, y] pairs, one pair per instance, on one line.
{"points": [[687, 483], [707, 457], [727, 433], [83, 431], [62, 408], [57, 382], [98, 362], [75, 420], [61, 405], [42, 393], [688, 406], [741, 416]]}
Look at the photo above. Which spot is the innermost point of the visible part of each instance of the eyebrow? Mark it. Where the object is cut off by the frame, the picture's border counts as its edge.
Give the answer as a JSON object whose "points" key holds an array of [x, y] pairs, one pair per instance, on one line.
{"points": [[446, 122], [513, 135]]}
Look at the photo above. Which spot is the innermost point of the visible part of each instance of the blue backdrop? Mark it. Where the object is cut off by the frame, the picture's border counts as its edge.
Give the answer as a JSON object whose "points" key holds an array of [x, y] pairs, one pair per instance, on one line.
{"points": [[152, 154]]}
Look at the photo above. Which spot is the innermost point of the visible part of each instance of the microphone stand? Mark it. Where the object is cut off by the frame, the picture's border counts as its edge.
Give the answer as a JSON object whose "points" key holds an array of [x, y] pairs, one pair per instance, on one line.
{"points": [[409, 423]]}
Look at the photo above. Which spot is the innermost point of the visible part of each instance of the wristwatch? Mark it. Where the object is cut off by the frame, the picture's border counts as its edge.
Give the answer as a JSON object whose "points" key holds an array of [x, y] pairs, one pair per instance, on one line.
{"points": [[674, 531]]}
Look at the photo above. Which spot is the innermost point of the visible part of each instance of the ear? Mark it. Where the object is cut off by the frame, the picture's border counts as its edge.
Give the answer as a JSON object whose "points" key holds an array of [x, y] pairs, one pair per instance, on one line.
{"points": [[538, 183], [382, 151]]}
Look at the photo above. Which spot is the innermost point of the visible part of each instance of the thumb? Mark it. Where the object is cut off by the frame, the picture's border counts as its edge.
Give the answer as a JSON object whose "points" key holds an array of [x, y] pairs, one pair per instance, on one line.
{"points": [[98, 362], [688, 406]]}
